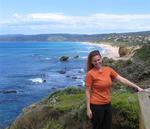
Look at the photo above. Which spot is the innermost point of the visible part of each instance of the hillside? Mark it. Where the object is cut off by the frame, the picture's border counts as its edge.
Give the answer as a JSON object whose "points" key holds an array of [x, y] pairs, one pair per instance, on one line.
{"points": [[115, 38], [66, 109], [53, 37], [130, 39]]}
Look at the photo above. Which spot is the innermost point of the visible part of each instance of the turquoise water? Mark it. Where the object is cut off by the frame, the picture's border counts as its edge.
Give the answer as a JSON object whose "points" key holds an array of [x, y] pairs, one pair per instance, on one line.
{"points": [[24, 66]]}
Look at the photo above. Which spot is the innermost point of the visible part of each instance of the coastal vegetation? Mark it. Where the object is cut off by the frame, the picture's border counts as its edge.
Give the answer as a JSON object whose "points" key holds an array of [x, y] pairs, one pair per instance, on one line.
{"points": [[66, 109]]}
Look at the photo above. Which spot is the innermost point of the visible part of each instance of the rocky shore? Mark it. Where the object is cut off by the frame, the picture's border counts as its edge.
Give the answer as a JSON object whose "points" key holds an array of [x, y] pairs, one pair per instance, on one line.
{"points": [[65, 109]]}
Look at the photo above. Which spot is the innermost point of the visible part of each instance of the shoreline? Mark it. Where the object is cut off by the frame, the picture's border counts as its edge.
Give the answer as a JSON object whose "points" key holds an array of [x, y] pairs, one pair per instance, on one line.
{"points": [[109, 50]]}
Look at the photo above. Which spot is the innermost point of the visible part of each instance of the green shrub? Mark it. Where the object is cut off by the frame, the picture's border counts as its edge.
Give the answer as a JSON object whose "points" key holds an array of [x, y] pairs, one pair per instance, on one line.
{"points": [[67, 91], [125, 110], [53, 124], [143, 53]]}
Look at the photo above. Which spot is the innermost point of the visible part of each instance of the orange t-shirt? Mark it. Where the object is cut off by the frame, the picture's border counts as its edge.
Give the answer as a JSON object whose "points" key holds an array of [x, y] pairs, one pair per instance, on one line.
{"points": [[100, 83]]}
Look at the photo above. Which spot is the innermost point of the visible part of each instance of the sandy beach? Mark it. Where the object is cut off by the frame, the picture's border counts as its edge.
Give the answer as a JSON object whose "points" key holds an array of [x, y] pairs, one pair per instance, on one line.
{"points": [[109, 50]]}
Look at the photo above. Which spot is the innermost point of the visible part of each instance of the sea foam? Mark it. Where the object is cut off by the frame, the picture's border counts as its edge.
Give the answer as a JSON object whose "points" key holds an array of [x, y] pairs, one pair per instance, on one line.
{"points": [[37, 80]]}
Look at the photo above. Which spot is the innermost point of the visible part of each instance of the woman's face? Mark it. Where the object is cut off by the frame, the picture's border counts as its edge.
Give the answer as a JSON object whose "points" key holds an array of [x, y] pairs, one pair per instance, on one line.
{"points": [[97, 61]]}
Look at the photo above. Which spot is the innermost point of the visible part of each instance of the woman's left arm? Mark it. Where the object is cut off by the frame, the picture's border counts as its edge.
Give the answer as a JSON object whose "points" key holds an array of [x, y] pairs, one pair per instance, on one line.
{"points": [[127, 82]]}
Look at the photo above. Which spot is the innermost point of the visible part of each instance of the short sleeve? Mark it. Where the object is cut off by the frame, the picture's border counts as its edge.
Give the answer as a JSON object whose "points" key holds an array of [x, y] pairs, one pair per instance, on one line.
{"points": [[113, 74], [88, 80]]}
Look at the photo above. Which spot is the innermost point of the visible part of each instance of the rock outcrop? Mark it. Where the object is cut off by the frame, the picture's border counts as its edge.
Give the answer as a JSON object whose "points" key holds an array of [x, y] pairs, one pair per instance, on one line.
{"points": [[123, 51], [64, 58]]}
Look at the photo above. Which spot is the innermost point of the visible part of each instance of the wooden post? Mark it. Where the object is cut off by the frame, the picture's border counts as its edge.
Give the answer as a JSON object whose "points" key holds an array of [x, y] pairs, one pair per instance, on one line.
{"points": [[144, 103]]}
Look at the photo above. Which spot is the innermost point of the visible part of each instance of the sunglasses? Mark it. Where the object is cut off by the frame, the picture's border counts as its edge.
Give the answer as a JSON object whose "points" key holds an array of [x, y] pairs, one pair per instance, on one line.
{"points": [[95, 52]]}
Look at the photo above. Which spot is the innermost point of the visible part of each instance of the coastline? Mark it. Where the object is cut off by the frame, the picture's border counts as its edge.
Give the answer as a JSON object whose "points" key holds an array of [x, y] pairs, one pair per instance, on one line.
{"points": [[109, 50]]}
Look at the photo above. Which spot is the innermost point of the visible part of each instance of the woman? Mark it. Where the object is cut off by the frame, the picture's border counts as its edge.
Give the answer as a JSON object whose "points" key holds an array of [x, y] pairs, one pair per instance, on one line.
{"points": [[98, 82]]}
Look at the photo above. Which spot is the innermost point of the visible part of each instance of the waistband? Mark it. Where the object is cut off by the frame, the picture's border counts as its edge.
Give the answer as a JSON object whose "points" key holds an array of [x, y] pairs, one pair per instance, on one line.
{"points": [[100, 105]]}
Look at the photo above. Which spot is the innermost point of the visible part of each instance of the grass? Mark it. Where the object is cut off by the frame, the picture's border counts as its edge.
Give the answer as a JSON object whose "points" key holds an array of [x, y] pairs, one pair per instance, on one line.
{"points": [[68, 102]]}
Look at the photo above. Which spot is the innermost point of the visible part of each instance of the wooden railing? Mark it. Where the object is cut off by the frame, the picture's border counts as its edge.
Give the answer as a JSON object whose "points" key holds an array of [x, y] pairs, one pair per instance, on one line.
{"points": [[144, 103]]}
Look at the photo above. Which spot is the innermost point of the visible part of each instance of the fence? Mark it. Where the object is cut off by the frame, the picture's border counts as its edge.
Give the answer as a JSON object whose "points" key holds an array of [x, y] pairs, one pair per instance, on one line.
{"points": [[144, 103]]}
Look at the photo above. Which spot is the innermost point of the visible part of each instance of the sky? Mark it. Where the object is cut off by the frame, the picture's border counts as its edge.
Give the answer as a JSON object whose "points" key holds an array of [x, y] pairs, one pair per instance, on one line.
{"points": [[73, 16]]}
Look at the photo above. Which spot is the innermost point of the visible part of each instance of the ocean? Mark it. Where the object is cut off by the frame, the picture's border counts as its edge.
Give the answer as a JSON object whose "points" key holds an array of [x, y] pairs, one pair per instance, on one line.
{"points": [[29, 71]]}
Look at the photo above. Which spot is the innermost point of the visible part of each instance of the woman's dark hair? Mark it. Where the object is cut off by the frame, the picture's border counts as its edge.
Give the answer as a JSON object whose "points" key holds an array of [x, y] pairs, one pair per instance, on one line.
{"points": [[89, 60]]}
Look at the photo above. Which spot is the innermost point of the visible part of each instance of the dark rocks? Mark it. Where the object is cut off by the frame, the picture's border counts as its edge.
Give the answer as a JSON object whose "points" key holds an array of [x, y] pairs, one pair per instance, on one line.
{"points": [[123, 51], [74, 77], [64, 58], [67, 76], [61, 71], [76, 57], [8, 91], [44, 81]]}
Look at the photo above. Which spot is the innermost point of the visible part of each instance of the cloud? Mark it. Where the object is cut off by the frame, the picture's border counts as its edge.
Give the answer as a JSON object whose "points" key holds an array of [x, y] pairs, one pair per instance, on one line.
{"points": [[60, 23]]}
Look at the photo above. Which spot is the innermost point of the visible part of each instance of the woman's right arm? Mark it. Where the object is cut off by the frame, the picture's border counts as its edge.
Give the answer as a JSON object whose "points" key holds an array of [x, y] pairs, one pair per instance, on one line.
{"points": [[88, 93]]}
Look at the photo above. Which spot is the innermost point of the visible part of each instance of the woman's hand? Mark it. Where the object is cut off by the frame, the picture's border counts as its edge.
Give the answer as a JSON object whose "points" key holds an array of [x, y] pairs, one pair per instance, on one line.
{"points": [[88, 92], [140, 89], [89, 113]]}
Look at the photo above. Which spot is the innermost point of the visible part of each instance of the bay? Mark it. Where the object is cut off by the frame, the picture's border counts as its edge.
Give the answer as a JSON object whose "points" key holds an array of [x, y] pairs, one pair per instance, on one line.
{"points": [[30, 71]]}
